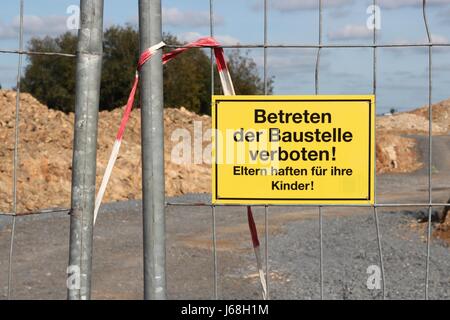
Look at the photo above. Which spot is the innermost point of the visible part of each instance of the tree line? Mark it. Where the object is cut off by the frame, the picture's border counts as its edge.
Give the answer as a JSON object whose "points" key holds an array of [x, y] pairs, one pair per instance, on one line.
{"points": [[186, 79]]}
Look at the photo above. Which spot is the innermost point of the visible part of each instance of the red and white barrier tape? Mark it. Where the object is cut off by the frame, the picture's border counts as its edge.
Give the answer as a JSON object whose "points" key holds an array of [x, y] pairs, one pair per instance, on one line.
{"points": [[228, 89], [257, 248], [123, 123]]}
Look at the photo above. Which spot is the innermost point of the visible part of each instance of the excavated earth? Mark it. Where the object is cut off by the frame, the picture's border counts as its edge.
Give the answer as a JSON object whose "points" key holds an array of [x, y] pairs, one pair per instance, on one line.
{"points": [[45, 154], [350, 243], [45, 151]]}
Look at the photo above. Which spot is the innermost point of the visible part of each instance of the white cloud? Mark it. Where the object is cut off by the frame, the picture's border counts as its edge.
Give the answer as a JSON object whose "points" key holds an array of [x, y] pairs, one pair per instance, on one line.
{"points": [[394, 4], [34, 25], [340, 13], [222, 39], [293, 62], [189, 36], [296, 62], [443, 67], [226, 39], [423, 50], [7, 31], [437, 38], [295, 5], [444, 16], [175, 17], [351, 32], [42, 25]]}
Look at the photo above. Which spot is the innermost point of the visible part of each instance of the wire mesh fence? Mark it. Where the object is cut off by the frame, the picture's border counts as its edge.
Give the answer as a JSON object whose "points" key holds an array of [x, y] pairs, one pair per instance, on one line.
{"points": [[265, 46]]}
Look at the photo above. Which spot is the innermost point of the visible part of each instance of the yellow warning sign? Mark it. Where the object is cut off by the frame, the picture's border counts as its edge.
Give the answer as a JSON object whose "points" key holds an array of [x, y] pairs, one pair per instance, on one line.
{"points": [[293, 149]]}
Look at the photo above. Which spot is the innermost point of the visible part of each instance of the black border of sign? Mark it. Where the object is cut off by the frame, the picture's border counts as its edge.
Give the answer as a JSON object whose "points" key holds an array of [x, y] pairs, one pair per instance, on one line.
{"points": [[369, 101]]}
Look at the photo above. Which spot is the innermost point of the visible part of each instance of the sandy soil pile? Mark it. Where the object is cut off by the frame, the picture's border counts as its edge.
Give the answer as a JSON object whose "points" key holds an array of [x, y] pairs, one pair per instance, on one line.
{"points": [[45, 152], [396, 152], [125, 181], [45, 155], [440, 115], [443, 231], [409, 123]]}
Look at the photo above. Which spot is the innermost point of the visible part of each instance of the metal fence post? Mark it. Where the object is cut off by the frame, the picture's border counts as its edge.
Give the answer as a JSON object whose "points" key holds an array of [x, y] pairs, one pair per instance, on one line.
{"points": [[89, 63], [153, 187]]}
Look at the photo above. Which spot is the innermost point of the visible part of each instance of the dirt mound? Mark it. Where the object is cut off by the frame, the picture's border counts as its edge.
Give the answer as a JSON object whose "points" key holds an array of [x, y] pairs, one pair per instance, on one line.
{"points": [[396, 154], [125, 181], [440, 114], [417, 121], [45, 153], [408, 123], [442, 232]]}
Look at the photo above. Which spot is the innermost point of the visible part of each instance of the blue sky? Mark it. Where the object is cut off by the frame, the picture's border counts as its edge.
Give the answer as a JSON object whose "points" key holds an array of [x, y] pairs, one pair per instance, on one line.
{"points": [[402, 73]]}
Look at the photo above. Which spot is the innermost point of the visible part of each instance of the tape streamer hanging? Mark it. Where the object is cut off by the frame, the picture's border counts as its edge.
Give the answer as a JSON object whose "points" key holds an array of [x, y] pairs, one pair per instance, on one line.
{"points": [[228, 89]]}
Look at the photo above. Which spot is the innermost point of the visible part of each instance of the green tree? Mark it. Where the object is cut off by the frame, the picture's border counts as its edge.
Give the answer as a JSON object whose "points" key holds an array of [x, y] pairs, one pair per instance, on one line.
{"points": [[120, 54], [245, 75], [51, 80], [186, 78]]}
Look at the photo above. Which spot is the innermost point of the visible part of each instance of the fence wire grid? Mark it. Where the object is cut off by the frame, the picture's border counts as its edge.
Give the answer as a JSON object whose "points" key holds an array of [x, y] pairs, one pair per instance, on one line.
{"points": [[265, 46]]}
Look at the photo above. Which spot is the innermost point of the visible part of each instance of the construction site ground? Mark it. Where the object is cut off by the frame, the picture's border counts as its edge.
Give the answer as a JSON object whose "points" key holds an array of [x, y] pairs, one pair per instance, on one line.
{"points": [[350, 243]]}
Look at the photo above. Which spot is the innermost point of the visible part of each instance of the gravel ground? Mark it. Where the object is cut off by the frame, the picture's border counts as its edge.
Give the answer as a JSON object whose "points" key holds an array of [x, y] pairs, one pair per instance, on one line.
{"points": [[350, 247]]}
